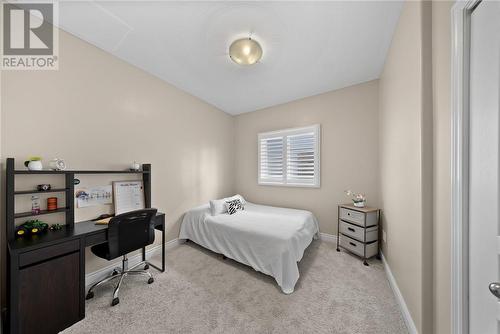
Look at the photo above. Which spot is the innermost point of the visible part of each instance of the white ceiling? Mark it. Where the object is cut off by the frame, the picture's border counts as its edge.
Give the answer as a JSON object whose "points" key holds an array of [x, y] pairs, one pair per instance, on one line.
{"points": [[309, 47]]}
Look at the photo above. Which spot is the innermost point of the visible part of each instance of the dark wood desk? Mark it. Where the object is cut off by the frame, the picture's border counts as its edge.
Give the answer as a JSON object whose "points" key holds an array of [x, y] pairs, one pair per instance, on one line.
{"points": [[47, 276], [97, 234]]}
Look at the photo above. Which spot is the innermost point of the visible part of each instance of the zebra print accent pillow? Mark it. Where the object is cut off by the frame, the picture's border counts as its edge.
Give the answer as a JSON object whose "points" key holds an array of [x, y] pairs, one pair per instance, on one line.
{"points": [[234, 206]]}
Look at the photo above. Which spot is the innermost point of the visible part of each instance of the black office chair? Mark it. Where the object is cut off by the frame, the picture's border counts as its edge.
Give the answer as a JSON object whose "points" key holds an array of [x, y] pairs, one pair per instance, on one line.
{"points": [[126, 233]]}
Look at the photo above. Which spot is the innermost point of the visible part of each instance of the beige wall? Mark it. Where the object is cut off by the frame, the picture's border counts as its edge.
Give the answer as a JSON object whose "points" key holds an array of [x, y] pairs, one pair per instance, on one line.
{"points": [[98, 112], [415, 151], [349, 150], [405, 161], [427, 180], [441, 56]]}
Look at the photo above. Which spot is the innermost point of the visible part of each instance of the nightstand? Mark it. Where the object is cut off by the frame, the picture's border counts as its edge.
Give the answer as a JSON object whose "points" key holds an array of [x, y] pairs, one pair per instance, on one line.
{"points": [[358, 230]]}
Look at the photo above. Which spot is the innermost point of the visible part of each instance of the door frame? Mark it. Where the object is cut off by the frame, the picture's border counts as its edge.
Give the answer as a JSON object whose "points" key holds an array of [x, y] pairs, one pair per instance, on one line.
{"points": [[460, 79]]}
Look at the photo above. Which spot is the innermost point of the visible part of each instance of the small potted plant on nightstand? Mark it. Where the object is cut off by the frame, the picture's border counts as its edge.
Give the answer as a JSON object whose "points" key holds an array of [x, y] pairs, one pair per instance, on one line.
{"points": [[358, 200]]}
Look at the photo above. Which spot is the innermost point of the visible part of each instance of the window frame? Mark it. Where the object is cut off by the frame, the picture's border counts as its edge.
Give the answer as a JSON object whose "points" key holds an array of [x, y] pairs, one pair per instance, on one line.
{"points": [[284, 182]]}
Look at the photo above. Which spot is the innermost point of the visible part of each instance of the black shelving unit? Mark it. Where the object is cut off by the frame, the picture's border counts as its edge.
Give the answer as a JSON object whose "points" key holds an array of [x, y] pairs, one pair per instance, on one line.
{"points": [[69, 190], [30, 192], [41, 213], [57, 257], [38, 172], [11, 215]]}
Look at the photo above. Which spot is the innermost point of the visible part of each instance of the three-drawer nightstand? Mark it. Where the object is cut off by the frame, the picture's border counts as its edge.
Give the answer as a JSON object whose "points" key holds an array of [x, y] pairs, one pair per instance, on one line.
{"points": [[358, 230]]}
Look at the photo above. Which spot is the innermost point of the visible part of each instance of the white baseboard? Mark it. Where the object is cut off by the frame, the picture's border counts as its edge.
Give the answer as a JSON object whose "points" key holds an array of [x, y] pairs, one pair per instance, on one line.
{"points": [[399, 297], [392, 282], [97, 275], [328, 237]]}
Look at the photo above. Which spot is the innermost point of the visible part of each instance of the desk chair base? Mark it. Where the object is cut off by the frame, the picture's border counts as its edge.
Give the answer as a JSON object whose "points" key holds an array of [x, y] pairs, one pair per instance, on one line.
{"points": [[121, 273]]}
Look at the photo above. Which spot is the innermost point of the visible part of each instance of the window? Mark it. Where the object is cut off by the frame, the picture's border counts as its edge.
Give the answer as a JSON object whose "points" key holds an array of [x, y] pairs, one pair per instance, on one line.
{"points": [[290, 157]]}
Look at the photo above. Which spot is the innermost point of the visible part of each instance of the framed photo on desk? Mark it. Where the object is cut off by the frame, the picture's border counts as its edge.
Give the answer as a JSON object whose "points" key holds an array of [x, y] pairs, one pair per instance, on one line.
{"points": [[128, 196]]}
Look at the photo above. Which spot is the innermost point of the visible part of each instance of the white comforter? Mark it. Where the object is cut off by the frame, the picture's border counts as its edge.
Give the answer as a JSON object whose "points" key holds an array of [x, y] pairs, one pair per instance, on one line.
{"points": [[269, 239]]}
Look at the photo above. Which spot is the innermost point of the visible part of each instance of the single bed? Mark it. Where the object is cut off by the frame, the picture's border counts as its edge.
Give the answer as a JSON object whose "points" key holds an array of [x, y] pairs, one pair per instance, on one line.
{"points": [[269, 239]]}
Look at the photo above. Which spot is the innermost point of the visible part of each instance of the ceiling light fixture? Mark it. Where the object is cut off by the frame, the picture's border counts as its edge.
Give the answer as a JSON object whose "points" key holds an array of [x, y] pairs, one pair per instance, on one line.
{"points": [[245, 51]]}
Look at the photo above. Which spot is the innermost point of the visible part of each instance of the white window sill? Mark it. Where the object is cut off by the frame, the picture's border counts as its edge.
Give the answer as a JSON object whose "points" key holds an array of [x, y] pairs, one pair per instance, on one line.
{"points": [[296, 185]]}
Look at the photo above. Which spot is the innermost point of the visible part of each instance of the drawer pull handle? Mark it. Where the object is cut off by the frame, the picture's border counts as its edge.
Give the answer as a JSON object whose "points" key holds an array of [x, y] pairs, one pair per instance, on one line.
{"points": [[351, 229], [352, 244]]}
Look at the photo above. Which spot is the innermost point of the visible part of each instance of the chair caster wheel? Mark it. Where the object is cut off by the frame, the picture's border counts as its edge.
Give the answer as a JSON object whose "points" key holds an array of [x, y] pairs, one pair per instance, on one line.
{"points": [[338, 249], [366, 263], [89, 295], [146, 267], [151, 280], [114, 273], [115, 301]]}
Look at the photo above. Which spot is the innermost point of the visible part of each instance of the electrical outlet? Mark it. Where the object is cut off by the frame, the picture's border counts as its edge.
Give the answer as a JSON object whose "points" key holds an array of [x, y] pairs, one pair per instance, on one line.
{"points": [[384, 236]]}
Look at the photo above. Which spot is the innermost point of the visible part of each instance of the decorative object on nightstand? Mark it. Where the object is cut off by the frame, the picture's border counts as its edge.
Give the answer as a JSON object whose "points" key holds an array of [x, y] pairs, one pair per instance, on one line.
{"points": [[358, 200], [358, 230]]}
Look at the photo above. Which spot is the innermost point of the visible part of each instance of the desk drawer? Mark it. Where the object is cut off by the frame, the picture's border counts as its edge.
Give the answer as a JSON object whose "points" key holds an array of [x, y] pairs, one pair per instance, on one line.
{"points": [[48, 252], [358, 232], [95, 239], [352, 216]]}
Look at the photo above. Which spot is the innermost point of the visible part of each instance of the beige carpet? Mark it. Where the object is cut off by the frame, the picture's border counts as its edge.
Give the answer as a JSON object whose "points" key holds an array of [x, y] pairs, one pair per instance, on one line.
{"points": [[202, 293]]}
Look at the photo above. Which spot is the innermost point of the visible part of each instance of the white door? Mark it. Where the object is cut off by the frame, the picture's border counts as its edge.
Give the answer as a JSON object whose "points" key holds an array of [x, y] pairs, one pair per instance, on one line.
{"points": [[484, 219]]}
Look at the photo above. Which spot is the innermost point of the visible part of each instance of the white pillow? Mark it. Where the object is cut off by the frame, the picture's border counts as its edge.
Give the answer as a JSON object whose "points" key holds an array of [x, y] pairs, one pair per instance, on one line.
{"points": [[218, 206]]}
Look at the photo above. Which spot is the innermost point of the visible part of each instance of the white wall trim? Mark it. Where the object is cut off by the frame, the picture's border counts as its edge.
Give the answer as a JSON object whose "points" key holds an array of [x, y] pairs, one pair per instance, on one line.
{"points": [[97, 275], [328, 237], [460, 21], [410, 324]]}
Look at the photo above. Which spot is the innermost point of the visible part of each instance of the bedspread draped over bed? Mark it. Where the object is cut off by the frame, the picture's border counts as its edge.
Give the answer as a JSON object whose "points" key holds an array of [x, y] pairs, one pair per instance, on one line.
{"points": [[269, 239]]}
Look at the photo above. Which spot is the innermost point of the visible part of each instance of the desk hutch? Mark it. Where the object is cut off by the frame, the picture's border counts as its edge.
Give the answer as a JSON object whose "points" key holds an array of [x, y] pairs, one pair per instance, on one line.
{"points": [[46, 272]]}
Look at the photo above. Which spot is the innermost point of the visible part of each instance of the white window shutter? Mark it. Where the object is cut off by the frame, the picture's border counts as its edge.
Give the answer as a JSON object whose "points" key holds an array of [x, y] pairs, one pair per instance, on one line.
{"points": [[290, 157], [301, 158], [271, 159]]}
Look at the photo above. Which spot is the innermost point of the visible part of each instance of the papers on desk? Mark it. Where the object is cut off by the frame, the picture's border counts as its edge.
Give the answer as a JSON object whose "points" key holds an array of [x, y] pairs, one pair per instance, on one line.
{"points": [[128, 196], [104, 221]]}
